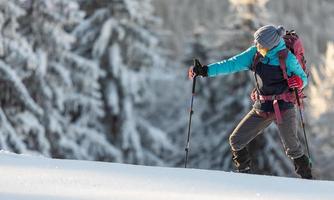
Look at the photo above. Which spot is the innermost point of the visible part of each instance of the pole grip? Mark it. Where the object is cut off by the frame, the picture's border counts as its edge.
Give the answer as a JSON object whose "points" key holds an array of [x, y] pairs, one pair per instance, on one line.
{"points": [[196, 64]]}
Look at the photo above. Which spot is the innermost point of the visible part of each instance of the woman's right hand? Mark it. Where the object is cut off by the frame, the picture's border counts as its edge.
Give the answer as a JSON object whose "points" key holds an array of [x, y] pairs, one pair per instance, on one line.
{"points": [[191, 73], [194, 71]]}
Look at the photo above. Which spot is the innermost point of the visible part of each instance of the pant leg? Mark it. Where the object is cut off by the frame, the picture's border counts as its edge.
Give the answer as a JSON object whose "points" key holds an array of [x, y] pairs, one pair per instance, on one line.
{"points": [[247, 129], [288, 134]]}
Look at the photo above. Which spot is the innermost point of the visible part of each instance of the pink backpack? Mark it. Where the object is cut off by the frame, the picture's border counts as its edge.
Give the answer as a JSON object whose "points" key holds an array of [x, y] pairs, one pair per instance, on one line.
{"points": [[295, 45]]}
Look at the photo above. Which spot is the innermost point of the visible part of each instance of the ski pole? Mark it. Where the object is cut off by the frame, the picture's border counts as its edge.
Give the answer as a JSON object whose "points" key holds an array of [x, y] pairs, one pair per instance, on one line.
{"points": [[196, 63], [302, 122]]}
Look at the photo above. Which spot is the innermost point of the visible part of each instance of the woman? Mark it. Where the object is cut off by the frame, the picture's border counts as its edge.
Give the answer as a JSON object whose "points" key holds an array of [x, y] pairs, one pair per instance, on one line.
{"points": [[270, 82]]}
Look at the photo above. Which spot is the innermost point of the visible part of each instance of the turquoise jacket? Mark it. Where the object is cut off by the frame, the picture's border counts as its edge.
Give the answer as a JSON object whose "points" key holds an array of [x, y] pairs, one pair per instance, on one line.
{"points": [[244, 60]]}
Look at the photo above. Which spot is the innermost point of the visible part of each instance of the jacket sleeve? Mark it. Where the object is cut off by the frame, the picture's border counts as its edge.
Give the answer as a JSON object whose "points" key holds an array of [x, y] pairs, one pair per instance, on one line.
{"points": [[240, 62], [293, 67]]}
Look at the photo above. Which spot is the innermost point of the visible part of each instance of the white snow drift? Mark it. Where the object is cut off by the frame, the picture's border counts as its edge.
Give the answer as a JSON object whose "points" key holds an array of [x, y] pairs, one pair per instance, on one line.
{"points": [[25, 177]]}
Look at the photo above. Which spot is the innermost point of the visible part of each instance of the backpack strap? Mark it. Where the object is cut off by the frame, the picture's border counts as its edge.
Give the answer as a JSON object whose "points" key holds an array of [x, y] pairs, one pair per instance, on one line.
{"points": [[256, 61], [286, 96], [282, 55]]}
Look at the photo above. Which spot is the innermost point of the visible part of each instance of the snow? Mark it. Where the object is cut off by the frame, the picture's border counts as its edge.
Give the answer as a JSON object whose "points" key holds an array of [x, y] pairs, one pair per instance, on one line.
{"points": [[25, 177]]}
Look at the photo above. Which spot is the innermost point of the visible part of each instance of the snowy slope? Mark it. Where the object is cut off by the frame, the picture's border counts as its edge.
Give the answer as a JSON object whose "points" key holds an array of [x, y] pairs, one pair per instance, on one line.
{"points": [[25, 177]]}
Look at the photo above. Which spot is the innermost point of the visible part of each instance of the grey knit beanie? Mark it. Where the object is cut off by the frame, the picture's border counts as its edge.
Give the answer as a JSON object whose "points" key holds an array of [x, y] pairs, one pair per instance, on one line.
{"points": [[269, 36]]}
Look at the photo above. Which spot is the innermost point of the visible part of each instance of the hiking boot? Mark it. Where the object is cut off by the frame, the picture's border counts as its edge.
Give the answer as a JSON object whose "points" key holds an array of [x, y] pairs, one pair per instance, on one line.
{"points": [[242, 161], [303, 167]]}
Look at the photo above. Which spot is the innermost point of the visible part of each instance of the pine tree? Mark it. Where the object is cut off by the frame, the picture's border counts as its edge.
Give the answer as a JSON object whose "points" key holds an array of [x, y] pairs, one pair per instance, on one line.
{"points": [[69, 86], [118, 36], [321, 115], [57, 91], [19, 111]]}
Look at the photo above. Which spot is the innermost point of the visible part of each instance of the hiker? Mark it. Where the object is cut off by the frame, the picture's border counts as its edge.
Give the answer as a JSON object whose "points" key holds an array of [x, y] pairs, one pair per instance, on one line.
{"points": [[273, 101]]}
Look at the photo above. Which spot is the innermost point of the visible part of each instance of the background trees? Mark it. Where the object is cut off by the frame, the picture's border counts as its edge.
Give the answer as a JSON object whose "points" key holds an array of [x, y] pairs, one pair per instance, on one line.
{"points": [[321, 113], [18, 61], [119, 37]]}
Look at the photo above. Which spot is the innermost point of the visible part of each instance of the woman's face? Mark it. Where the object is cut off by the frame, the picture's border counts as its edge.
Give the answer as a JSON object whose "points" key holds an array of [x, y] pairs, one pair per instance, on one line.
{"points": [[263, 51]]}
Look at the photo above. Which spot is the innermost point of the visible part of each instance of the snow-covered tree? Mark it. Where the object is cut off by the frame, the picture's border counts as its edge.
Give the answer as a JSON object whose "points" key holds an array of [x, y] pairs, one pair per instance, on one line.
{"points": [[321, 114], [67, 83], [52, 101], [118, 36], [20, 128]]}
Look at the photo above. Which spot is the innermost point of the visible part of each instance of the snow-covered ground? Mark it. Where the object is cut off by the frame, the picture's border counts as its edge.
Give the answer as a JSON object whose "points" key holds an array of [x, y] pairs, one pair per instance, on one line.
{"points": [[24, 177]]}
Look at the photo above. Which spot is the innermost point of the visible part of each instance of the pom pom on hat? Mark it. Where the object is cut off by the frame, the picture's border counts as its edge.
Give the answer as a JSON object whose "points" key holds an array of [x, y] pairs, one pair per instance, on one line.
{"points": [[281, 31]]}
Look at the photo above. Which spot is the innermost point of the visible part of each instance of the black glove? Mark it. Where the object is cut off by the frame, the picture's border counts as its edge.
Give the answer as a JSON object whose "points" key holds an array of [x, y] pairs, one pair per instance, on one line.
{"points": [[201, 70], [197, 70]]}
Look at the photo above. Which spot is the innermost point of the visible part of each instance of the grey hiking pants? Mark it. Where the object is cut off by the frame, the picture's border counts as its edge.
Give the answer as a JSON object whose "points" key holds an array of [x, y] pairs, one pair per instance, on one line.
{"points": [[253, 124]]}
